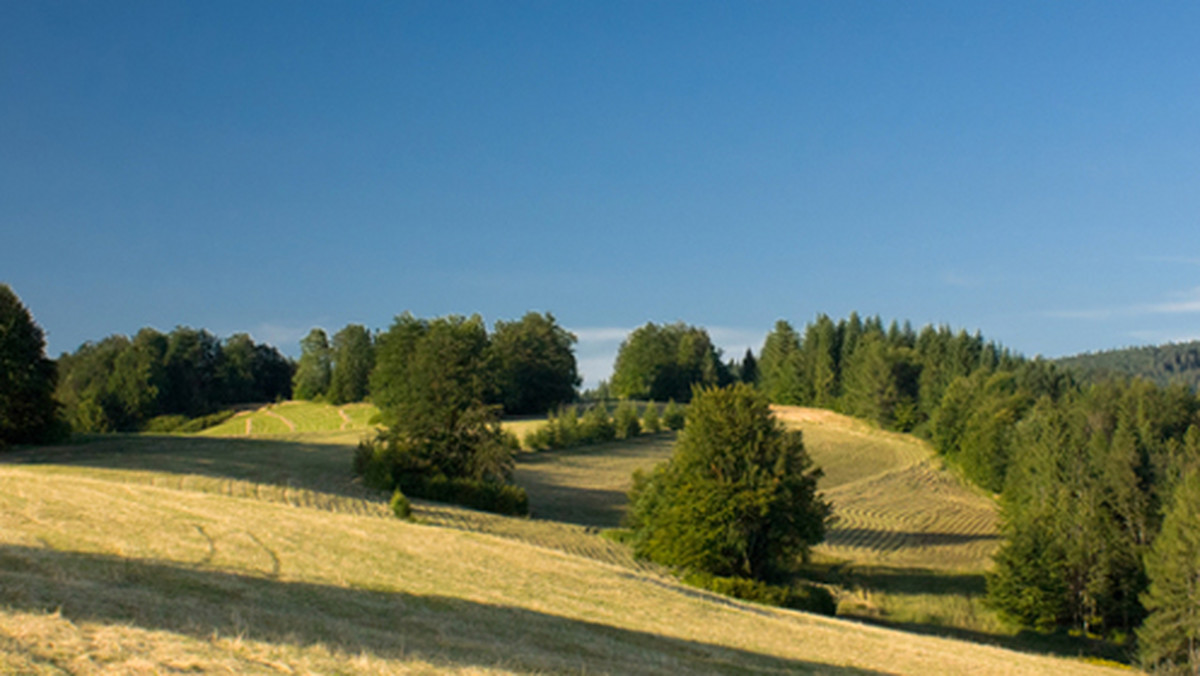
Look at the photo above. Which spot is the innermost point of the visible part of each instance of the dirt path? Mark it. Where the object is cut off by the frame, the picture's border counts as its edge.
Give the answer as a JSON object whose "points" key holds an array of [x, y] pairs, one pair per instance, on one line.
{"points": [[345, 419], [249, 425], [291, 426]]}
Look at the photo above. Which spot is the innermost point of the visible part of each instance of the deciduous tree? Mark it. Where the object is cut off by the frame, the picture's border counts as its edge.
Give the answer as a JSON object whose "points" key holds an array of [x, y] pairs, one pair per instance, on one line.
{"points": [[28, 411], [739, 495]]}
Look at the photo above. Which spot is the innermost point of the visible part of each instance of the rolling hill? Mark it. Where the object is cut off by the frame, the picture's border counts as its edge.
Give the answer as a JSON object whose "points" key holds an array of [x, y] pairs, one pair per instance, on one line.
{"points": [[142, 554]]}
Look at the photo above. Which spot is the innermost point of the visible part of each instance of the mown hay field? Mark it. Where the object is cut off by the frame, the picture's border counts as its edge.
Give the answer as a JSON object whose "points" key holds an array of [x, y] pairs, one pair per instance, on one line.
{"points": [[150, 554], [106, 576]]}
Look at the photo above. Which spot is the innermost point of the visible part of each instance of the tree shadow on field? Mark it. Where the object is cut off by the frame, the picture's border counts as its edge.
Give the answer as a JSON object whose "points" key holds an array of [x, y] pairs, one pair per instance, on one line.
{"points": [[444, 631], [320, 467], [891, 540], [547, 477], [916, 582]]}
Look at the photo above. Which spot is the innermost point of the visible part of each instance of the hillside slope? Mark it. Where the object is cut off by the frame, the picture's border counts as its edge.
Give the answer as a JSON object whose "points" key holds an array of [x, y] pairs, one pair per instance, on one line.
{"points": [[99, 575]]}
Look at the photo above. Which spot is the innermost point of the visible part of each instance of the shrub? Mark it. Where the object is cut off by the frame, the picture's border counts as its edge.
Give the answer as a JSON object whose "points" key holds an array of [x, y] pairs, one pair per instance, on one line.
{"points": [[651, 422], [673, 416], [596, 427], [625, 418], [400, 505], [806, 597], [181, 424], [164, 424], [488, 496]]}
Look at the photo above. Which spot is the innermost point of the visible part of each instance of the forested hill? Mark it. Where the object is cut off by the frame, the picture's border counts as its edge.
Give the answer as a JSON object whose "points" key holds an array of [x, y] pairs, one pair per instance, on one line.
{"points": [[1162, 364]]}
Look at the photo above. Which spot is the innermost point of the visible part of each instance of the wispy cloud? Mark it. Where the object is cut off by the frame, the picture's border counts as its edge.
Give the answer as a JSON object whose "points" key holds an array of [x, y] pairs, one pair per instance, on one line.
{"points": [[1186, 302]]}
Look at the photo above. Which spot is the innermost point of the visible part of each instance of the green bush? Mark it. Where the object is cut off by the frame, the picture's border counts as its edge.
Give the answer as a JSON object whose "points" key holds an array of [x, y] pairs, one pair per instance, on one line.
{"points": [[486, 496], [597, 427], [180, 424], [651, 422], [164, 424], [400, 505], [806, 597], [673, 416], [625, 419]]}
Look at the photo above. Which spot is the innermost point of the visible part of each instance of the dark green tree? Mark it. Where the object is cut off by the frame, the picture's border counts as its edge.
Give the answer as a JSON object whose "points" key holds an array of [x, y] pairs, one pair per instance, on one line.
{"points": [[748, 369], [535, 363], [353, 357], [781, 367], [1170, 637], [315, 368], [28, 410], [821, 350], [738, 497], [193, 372], [665, 362], [431, 382]]}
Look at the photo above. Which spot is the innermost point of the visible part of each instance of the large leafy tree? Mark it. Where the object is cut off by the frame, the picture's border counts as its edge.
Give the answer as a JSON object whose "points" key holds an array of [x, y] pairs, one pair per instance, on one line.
{"points": [[739, 495], [665, 362], [1170, 637], [535, 364], [353, 358], [431, 382], [28, 411], [315, 368]]}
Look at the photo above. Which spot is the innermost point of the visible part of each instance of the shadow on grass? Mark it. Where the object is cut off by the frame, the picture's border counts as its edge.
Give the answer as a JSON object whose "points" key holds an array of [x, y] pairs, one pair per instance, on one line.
{"points": [[320, 467], [442, 630], [891, 540], [907, 581]]}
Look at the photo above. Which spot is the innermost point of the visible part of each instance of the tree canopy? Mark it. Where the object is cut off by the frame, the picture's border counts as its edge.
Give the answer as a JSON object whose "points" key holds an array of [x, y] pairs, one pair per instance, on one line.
{"points": [[535, 365], [739, 495], [353, 358], [665, 362], [118, 384], [28, 411]]}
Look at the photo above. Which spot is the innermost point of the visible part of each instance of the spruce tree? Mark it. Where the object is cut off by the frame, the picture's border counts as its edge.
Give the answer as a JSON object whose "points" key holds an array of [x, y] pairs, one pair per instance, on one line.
{"points": [[1170, 636]]}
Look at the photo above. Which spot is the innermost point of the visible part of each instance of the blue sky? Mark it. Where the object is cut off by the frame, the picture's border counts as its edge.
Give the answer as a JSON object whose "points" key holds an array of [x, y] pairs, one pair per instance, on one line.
{"points": [[1029, 170]]}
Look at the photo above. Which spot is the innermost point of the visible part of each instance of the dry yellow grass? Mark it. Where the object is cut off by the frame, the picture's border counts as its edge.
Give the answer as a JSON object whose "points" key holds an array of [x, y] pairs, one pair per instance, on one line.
{"points": [[99, 576]]}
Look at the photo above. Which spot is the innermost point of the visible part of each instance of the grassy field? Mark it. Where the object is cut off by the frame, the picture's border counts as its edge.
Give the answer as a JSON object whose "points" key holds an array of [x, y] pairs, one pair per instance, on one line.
{"points": [[143, 554]]}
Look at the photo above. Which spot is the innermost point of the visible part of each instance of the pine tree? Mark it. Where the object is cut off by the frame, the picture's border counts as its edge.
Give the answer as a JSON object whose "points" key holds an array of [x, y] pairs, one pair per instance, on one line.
{"points": [[1170, 636], [781, 368]]}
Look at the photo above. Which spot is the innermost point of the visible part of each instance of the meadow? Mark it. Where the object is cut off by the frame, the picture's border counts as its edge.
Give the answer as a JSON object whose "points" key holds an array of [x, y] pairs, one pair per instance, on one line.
{"points": [[262, 554]]}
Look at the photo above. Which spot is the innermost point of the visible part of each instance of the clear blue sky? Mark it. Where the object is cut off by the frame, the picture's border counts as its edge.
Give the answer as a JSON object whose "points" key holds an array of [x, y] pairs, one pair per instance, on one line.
{"points": [[1030, 170]]}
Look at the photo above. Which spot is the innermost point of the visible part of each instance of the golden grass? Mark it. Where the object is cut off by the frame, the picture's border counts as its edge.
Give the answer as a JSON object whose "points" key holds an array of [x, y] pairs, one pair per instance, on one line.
{"points": [[100, 576]]}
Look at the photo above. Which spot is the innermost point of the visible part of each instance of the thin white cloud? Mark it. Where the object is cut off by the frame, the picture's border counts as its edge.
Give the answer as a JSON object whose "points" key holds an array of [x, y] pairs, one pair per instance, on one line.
{"points": [[601, 334], [1187, 302]]}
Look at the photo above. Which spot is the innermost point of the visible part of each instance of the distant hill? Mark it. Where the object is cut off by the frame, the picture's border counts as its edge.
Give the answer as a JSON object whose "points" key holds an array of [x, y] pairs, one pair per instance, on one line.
{"points": [[1163, 364]]}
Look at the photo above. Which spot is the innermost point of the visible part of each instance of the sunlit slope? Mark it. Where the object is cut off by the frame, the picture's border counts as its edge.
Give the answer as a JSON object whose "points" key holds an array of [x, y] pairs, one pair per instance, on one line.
{"points": [[106, 576], [291, 417], [894, 505]]}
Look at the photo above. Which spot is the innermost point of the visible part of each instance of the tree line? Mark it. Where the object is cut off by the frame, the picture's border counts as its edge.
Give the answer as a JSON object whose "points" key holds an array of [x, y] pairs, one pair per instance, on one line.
{"points": [[126, 383], [122, 383], [1175, 363], [1098, 479]]}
